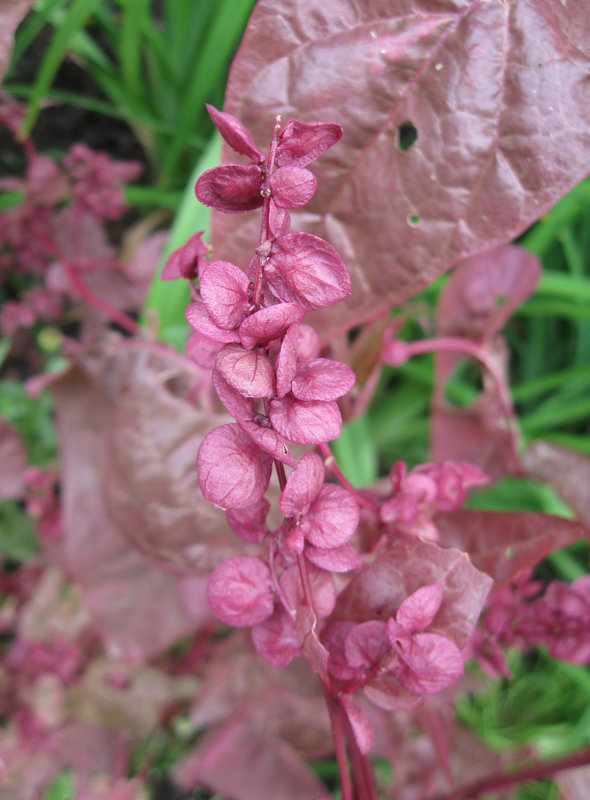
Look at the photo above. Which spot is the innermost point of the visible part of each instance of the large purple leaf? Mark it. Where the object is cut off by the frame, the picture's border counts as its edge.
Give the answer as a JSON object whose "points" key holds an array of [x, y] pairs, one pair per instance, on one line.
{"points": [[136, 605], [151, 487], [567, 471], [377, 591], [502, 544], [248, 762], [497, 93], [484, 292]]}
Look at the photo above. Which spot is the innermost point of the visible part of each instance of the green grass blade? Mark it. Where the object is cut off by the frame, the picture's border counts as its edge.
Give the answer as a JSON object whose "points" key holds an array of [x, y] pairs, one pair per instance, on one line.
{"points": [[10, 199], [74, 20], [170, 298], [355, 453], [32, 27], [222, 39], [130, 47]]}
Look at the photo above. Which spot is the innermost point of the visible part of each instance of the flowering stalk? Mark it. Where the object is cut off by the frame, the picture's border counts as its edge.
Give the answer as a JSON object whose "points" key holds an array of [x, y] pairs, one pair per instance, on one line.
{"points": [[268, 374]]}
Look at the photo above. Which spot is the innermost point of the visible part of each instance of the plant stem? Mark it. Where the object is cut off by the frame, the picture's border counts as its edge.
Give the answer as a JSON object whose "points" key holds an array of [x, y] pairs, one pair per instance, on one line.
{"points": [[264, 228], [335, 712], [498, 781], [121, 319], [332, 464]]}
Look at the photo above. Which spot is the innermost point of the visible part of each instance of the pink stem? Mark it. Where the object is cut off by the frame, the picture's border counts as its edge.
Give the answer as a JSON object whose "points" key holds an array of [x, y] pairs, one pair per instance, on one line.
{"points": [[107, 309], [332, 465], [339, 743], [362, 770], [273, 575], [479, 353], [267, 170], [534, 772]]}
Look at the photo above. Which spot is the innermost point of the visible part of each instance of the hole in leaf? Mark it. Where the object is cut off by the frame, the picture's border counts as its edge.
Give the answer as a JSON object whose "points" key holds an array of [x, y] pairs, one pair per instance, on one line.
{"points": [[414, 220], [407, 136], [500, 301]]}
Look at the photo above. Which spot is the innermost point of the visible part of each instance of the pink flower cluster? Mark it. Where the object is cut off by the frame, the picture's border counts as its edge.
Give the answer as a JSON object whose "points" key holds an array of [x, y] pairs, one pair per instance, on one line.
{"points": [[523, 616], [427, 490]]}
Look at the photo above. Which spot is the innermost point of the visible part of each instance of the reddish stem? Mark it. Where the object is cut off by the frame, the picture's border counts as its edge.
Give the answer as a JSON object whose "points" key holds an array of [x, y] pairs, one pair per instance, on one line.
{"points": [[362, 770], [267, 170], [332, 465], [107, 309], [479, 353], [534, 772], [335, 711]]}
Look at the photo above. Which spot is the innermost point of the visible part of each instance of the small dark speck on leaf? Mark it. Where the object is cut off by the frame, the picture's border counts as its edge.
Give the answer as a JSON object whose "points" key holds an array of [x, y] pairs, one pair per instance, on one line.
{"points": [[407, 136], [500, 301]]}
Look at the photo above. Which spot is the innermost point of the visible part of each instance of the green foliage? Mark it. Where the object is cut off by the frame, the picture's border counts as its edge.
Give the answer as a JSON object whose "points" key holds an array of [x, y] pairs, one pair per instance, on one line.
{"points": [[62, 788], [18, 541], [154, 69], [169, 299], [33, 420]]}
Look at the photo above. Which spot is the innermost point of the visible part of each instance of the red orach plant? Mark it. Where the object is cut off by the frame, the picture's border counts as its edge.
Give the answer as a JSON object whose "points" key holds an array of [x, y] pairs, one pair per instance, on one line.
{"points": [[367, 598]]}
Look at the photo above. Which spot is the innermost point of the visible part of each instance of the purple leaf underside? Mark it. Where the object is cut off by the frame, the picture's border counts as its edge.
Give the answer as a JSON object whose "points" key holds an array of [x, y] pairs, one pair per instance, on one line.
{"points": [[496, 93]]}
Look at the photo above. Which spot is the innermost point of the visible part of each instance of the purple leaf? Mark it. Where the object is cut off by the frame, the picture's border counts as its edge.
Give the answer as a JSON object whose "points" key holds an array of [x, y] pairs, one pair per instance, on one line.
{"points": [[322, 379], [378, 590], [135, 604], [303, 142], [306, 270], [240, 591], [198, 317], [292, 187], [270, 441], [366, 644], [13, 461], [287, 360], [269, 323], [250, 523], [187, 261], [224, 289], [387, 693], [420, 608], [248, 371], [484, 292], [333, 637], [315, 422], [202, 350], [150, 483], [430, 662], [246, 760], [332, 518], [322, 590], [308, 343], [276, 639], [303, 484], [360, 724], [496, 94], [233, 471], [240, 407], [336, 559], [502, 544], [235, 134], [279, 220], [567, 471], [232, 188]]}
